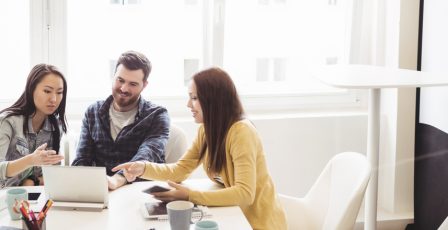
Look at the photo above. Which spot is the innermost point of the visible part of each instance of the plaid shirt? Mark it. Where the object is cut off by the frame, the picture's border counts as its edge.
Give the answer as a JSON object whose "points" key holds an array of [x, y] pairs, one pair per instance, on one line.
{"points": [[145, 139]]}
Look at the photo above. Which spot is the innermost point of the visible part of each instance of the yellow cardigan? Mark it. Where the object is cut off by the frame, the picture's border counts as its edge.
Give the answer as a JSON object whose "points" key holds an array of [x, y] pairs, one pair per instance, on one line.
{"points": [[246, 178]]}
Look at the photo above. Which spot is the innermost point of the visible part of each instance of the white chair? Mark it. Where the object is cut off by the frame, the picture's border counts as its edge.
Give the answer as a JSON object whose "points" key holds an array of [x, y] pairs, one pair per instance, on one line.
{"points": [[177, 144], [175, 148], [69, 143], [334, 200]]}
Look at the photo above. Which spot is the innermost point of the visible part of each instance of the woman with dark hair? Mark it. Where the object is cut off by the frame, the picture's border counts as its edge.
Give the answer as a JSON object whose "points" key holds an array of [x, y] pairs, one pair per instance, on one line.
{"points": [[31, 128], [230, 150]]}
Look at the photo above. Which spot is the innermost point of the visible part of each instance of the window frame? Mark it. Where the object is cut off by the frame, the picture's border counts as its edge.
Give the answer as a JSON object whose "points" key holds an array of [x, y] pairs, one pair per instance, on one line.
{"points": [[49, 32]]}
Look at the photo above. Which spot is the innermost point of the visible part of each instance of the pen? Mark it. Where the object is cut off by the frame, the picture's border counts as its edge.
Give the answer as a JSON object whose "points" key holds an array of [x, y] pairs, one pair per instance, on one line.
{"points": [[33, 217], [44, 210], [24, 212], [34, 222], [25, 217], [27, 223]]}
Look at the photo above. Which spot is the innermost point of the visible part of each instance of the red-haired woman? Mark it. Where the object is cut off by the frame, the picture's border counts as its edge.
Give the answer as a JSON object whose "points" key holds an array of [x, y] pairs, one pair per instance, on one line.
{"points": [[230, 150]]}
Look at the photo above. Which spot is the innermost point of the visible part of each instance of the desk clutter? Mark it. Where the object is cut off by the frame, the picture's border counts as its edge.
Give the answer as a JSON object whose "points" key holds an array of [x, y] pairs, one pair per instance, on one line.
{"points": [[124, 211], [31, 220]]}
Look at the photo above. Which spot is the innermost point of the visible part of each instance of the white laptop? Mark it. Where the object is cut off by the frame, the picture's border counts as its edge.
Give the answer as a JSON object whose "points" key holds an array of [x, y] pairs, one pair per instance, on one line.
{"points": [[76, 187]]}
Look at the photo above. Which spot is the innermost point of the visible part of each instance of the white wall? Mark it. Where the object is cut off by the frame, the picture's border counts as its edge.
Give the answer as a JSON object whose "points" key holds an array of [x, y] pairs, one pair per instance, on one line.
{"points": [[298, 147], [433, 109]]}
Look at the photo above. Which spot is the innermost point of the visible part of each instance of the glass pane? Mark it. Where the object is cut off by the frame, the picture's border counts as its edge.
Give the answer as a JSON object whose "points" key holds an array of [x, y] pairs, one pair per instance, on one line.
{"points": [[14, 47], [272, 45], [167, 32]]}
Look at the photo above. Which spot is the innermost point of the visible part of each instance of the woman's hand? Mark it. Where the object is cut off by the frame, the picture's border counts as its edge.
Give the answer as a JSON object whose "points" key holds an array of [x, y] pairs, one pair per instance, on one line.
{"points": [[179, 192], [39, 157], [44, 157], [131, 170]]}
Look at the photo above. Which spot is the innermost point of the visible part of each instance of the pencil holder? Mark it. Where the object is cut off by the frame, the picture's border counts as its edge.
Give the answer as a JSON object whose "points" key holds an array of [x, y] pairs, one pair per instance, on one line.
{"points": [[34, 225]]}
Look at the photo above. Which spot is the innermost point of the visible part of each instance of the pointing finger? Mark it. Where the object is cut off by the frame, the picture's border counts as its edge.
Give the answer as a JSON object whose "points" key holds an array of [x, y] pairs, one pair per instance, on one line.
{"points": [[120, 167]]}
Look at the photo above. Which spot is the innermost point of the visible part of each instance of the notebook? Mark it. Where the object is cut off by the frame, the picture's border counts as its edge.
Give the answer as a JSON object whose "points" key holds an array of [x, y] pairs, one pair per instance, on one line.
{"points": [[66, 186], [157, 211]]}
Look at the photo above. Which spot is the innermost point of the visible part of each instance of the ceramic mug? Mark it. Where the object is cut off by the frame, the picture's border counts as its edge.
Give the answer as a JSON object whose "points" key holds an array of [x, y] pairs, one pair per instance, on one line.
{"points": [[14, 196], [206, 225], [179, 214]]}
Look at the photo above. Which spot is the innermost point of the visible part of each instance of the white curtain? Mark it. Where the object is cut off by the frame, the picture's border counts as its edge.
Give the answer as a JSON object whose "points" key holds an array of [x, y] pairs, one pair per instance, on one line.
{"points": [[375, 32]]}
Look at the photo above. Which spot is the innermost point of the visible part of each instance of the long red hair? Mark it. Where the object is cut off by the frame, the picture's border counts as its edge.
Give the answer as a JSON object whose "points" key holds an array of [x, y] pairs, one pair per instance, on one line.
{"points": [[221, 107]]}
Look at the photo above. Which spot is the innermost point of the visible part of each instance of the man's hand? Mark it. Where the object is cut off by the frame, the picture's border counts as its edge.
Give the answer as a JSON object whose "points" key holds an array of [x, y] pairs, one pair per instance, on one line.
{"points": [[131, 170], [115, 181]]}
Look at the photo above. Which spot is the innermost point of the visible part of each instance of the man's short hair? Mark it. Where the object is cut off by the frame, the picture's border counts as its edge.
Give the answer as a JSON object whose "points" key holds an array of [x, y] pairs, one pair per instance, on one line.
{"points": [[134, 60]]}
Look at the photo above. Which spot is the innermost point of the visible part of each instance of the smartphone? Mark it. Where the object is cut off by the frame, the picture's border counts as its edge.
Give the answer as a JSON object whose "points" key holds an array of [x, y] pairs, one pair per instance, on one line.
{"points": [[156, 188], [33, 197]]}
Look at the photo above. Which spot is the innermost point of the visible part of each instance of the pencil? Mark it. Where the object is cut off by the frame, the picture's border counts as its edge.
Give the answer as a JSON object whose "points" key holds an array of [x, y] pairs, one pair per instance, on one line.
{"points": [[44, 210]]}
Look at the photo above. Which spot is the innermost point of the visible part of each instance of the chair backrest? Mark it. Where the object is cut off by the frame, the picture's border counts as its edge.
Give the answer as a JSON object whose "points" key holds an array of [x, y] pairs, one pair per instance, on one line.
{"points": [[69, 143], [177, 144], [175, 148], [336, 196]]}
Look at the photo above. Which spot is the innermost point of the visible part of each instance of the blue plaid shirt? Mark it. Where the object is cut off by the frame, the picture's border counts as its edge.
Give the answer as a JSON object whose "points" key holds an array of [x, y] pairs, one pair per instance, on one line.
{"points": [[145, 139]]}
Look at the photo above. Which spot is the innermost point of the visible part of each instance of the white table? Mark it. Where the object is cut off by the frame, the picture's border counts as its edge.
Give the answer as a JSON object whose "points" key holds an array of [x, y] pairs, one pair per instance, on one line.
{"points": [[374, 79], [124, 211]]}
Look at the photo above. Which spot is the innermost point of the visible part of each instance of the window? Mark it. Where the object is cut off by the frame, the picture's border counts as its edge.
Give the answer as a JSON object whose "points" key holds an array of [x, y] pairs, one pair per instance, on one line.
{"points": [[168, 32], [273, 46], [14, 47], [269, 47]]}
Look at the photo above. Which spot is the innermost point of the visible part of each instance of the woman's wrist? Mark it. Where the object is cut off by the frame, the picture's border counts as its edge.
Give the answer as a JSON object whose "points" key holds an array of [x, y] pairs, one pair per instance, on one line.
{"points": [[29, 160], [144, 168]]}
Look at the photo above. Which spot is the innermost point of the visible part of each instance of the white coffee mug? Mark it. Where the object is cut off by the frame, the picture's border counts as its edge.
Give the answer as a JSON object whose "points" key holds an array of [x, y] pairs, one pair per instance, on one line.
{"points": [[13, 198], [179, 214]]}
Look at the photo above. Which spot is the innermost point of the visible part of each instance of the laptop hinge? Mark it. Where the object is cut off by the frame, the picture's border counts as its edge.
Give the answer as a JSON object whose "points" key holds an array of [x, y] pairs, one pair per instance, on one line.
{"points": [[81, 206]]}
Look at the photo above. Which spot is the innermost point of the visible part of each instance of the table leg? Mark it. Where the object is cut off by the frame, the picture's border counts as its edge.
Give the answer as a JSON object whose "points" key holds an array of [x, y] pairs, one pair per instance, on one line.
{"points": [[373, 135]]}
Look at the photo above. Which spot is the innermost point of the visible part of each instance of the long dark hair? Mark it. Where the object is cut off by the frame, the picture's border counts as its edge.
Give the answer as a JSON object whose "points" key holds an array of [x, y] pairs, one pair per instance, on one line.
{"points": [[25, 104], [221, 107]]}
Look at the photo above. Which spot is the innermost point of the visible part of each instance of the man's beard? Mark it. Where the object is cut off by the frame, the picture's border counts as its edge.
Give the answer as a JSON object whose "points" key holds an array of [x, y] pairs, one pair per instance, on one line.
{"points": [[123, 102]]}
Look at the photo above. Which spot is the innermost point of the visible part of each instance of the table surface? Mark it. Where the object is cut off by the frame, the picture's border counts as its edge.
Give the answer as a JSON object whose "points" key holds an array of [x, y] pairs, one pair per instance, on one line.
{"points": [[124, 211], [368, 77]]}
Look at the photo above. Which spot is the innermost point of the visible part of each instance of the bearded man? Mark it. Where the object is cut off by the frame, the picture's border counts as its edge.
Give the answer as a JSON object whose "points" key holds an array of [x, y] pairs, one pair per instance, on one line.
{"points": [[124, 127]]}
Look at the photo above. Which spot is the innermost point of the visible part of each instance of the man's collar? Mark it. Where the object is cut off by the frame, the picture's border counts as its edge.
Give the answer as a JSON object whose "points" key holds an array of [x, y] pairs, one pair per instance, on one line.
{"points": [[108, 103]]}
